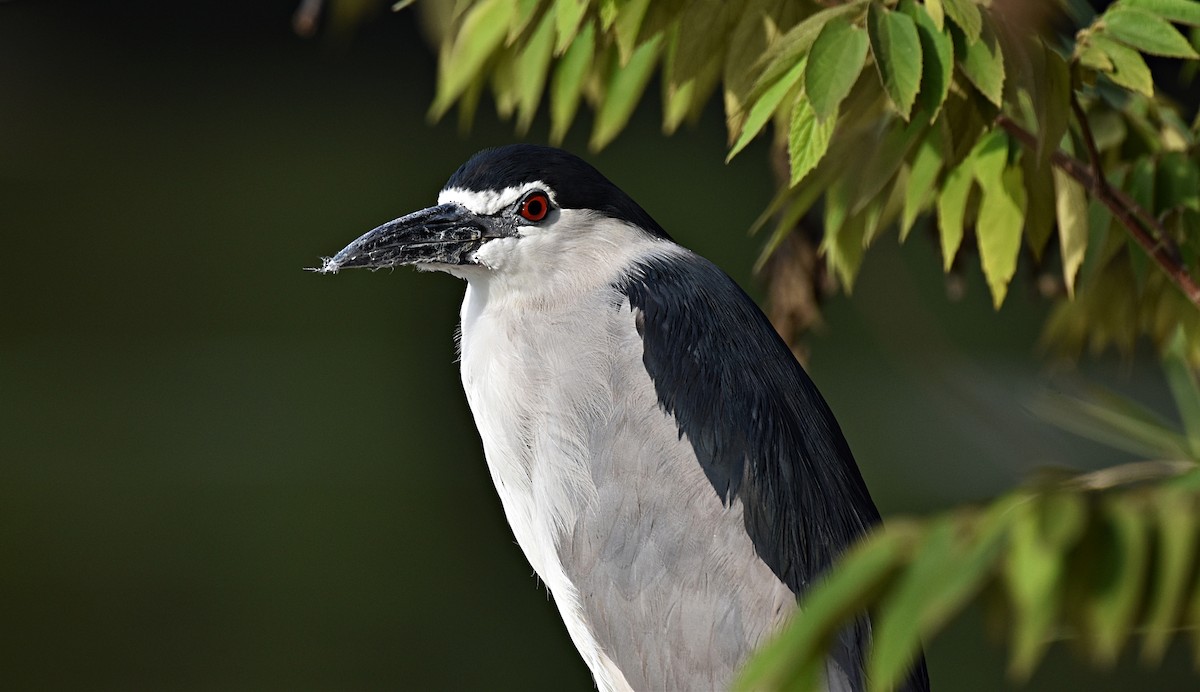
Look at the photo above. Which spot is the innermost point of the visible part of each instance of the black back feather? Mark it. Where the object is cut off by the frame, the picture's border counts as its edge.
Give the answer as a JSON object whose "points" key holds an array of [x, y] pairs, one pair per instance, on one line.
{"points": [[761, 430]]}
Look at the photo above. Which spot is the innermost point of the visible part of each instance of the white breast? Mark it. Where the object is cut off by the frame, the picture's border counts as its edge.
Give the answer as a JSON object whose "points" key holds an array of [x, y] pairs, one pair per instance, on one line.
{"points": [[534, 368]]}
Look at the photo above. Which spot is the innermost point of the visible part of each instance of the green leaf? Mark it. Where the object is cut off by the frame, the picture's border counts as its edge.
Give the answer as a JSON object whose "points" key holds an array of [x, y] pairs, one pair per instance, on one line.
{"points": [[794, 659], [1184, 387], [1120, 575], [936, 13], [1001, 217], [1178, 182], [845, 235], [568, 17], [808, 138], [834, 64], [628, 26], [746, 44], [1147, 32], [787, 51], [765, 106], [983, 65], [1039, 211], [569, 77], [1175, 514], [965, 13], [1033, 570], [533, 64], [526, 11], [624, 91], [1129, 69], [483, 31], [955, 558], [1071, 210], [937, 58], [952, 209], [922, 178], [1053, 104], [1182, 11], [897, 51]]}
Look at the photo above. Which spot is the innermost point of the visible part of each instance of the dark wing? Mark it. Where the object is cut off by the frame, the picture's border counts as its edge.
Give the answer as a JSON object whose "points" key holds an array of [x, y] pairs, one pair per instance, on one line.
{"points": [[758, 425]]}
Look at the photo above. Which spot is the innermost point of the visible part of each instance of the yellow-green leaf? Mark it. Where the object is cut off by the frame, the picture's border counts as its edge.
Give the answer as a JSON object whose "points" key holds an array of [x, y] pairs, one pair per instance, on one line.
{"points": [[808, 138], [567, 86], [952, 209], [568, 17], [983, 64], [1146, 32], [1116, 597], [1176, 519], [922, 177], [1033, 569], [483, 31], [624, 91], [532, 64], [965, 13], [936, 13], [897, 51], [834, 64], [1001, 216], [1129, 68], [628, 26], [1071, 210], [766, 105], [794, 659]]}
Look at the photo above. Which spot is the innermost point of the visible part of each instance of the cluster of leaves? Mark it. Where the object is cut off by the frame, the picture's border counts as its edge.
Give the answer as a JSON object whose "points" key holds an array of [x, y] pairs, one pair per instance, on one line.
{"points": [[1091, 560], [888, 112]]}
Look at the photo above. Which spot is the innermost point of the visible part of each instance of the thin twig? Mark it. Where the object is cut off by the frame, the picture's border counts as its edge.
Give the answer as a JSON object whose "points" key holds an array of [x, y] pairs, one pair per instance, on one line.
{"points": [[1140, 224], [1089, 141], [1134, 472]]}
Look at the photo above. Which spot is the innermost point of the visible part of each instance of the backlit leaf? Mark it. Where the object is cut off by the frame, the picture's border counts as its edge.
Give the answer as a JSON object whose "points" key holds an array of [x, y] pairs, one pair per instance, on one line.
{"points": [[1053, 104], [965, 13], [808, 138], [765, 106], [624, 91], [483, 31], [1119, 578], [952, 209], [827, 605], [1176, 522], [533, 64], [922, 178], [1147, 32], [1071, 210], [934, 9], [568, 17], [628, 26], [897, 51], [1001, 216], [834, 64], [1129, 69], [567, 85]]}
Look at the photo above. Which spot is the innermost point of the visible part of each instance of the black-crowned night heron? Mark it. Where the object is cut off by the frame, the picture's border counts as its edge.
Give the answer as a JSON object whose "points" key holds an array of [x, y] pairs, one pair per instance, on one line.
{"points": [[669, 469]]}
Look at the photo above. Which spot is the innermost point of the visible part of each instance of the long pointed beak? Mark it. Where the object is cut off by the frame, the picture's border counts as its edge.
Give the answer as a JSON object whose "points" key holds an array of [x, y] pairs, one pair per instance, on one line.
{"points": [[445, 234]]}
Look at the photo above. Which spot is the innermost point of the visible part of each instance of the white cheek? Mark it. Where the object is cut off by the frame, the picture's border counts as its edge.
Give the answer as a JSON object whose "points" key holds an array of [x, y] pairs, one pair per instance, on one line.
{"points": [[495, 254]]}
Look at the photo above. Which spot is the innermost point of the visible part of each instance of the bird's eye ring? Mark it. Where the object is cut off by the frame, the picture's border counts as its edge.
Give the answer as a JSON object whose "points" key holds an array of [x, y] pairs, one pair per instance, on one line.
{"points": [[535, 207]]}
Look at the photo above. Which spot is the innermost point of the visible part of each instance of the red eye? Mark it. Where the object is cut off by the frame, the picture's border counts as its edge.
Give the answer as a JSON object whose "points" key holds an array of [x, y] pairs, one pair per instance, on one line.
{"points": [[535, 207]]}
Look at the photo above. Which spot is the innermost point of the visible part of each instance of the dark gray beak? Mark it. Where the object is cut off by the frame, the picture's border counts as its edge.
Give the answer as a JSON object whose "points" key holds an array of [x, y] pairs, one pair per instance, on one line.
{"points": [[445, 234]]}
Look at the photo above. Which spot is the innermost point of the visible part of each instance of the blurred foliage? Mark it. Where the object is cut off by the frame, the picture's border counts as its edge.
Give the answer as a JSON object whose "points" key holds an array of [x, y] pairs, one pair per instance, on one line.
{"points": [[1092, 559], [1000, 126], [890, 111]]}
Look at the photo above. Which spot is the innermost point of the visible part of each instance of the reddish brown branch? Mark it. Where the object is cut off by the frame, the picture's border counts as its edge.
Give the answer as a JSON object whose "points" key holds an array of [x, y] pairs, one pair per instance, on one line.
{"points": [[1140, 224]]}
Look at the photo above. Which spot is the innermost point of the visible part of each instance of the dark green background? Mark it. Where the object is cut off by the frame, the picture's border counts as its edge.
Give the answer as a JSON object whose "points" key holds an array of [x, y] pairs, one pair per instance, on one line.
{"points": [[220, 472]]}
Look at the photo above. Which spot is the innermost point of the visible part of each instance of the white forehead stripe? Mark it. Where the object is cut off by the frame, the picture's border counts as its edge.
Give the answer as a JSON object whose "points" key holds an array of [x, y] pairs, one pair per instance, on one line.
{"points": [[487, 202]]}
